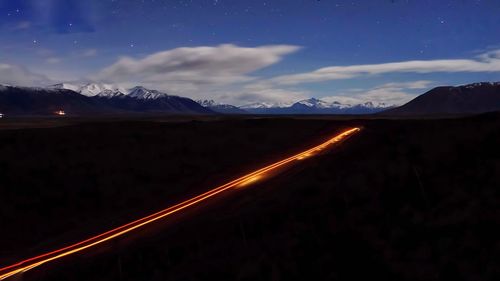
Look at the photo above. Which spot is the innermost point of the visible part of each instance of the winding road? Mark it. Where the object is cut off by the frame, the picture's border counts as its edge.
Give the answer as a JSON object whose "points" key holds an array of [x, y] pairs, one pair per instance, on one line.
{"points": [[248, 179]]}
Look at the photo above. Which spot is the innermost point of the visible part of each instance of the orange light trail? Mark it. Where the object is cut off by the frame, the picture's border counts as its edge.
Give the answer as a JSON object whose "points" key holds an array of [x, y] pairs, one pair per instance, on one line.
{"points": [[248, 179]]}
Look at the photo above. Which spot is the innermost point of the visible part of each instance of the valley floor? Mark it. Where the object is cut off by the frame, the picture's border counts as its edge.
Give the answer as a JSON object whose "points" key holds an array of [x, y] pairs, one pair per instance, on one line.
{"points": [[403, 200]]}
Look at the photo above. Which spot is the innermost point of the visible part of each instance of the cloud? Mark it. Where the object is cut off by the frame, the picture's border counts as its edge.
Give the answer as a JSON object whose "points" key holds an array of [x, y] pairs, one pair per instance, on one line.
{"points": [[43, 52], [389, 94], [89, 53], [487, 62], [53, 60], [222, 71], [276, 96], [224, 64], [20, 76]]}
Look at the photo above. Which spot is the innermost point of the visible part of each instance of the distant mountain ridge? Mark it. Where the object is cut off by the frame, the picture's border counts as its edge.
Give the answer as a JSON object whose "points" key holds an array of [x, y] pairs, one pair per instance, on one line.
{"points": [[221, 108], [108, 99], [316, 106], [92, 99], [466, 99]]}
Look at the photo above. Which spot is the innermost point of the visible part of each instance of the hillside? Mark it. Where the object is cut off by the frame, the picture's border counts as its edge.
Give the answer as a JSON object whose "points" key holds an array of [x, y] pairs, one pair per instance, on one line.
{"points": [[466, 99]]}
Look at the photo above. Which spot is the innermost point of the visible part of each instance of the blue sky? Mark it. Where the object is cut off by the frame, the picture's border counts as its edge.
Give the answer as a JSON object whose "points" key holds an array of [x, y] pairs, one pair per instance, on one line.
{"points": [[249, 51]]}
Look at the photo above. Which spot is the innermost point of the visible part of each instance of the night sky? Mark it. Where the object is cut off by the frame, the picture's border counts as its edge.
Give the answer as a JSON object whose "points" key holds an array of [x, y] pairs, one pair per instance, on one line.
{"points": [[241, 52]]}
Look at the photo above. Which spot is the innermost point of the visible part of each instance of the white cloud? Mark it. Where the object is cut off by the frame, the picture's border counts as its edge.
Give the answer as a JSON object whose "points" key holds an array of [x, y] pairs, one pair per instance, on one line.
{"points": [[390, 93], [487, 62], [250, 94], [20, 76], [89, 53], [195, 67], [226, 73], [53, 60]]}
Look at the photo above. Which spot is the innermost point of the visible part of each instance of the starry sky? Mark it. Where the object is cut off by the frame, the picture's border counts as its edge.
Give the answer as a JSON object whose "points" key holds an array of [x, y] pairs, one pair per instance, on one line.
{"points": [[245, 51]]}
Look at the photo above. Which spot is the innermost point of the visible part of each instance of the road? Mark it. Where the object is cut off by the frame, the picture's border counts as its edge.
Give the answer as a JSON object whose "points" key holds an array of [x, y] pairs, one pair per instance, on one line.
{"points": [[243, 181]]}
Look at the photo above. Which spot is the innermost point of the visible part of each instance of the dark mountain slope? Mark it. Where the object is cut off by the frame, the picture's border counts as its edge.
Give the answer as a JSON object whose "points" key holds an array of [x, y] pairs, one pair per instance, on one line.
{"points": [[467, 99], [41, 101], [38, 101]]}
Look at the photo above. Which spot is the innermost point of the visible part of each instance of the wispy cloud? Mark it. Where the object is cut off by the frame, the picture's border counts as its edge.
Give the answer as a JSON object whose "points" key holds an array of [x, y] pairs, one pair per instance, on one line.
{"points": [[389, 93], [196, 71], [89, 53], [18, 75], [224, 64], [487, 62], [53, 60], [227, 73], [253, 93]]}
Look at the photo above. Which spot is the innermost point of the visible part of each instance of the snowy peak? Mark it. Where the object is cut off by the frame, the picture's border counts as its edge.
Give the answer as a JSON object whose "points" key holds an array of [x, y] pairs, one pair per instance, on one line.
{"points": [[220, 107], [207, 103], [313, 103], [262, 105], [143, 93], [65, 86], [92, 89], [110, 94], [481, 84], [376, 105], [109, 91], [4, 87], [214, 105], [316, 106]]}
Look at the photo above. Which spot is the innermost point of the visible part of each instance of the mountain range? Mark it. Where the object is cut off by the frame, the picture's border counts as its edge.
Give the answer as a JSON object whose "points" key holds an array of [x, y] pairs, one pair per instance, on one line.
{"points": [[221, 108], [108, 99], [316, 106], [93, 99]]}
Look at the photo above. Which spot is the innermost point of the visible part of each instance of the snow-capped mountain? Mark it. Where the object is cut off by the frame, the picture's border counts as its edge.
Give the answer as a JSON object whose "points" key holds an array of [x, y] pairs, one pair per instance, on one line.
{"points": [[140, 92], [91, 89], [104, 98], [262, 105], [207, 103], [65, 86], [111, 100], [110, 94], [317, 106], [221, 108], [481, 84], [313, 103], [376, 105], [110, 91]]}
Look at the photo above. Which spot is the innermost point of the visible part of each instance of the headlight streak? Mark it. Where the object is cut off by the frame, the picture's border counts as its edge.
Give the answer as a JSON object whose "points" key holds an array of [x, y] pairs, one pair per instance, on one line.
{"points": [[243, 181]]}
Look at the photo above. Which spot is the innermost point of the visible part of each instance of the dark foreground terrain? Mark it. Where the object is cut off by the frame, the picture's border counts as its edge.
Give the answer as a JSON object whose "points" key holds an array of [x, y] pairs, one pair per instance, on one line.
{"points": [[403, 200]]}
